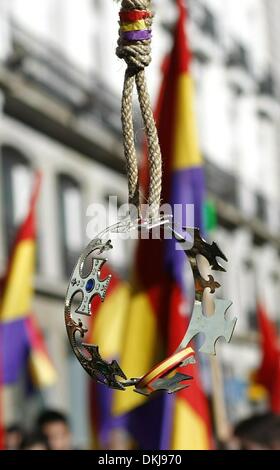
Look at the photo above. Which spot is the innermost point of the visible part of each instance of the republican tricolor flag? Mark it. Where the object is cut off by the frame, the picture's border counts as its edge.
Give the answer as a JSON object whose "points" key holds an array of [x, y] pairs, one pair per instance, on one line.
{"points": [[155, 311], [158, 314], [21, 342], [187, 412], [268, 374]]}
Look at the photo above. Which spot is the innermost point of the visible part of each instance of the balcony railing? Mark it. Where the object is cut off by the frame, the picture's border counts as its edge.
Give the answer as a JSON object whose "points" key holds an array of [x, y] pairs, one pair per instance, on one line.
{"points": [[227, 188], [51, 71]]}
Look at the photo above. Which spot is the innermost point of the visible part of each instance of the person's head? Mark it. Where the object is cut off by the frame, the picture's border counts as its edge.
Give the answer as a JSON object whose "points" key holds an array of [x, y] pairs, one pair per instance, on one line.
{"points": [[273, 433], [55, 427], [34, 441], [258, 432], [13, 437]]}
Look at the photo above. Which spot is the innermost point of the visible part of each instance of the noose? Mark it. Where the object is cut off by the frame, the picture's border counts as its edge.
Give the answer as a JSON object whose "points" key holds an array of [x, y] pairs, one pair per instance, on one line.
{"points": [[134, 46]]}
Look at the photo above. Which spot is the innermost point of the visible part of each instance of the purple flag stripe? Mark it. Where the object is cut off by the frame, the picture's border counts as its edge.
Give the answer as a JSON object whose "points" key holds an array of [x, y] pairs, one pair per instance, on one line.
{"points": [[14, 349], [144, 423], [142, 35], [186, 185]]}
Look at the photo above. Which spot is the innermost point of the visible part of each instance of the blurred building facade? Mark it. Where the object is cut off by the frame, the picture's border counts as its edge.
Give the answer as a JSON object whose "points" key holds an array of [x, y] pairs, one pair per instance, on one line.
{"points": [[60, 88]]}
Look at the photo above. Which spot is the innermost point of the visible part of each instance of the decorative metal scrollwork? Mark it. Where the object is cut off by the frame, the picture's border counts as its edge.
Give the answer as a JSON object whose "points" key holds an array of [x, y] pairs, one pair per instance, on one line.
{"points": [[87, 280]]}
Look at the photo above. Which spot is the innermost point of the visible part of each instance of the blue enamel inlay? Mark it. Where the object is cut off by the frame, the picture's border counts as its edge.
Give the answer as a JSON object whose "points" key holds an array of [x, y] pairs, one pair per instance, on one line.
{"points": [[90, 285]]}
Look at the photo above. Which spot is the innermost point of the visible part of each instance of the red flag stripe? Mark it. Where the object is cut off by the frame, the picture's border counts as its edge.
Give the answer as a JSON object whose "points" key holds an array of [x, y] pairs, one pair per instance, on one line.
{"points": [[269, 372], [28, 228], [134, 15]]}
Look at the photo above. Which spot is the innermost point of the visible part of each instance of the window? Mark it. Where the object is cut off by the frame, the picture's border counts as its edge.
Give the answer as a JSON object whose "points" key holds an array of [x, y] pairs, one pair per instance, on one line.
{"points": [[267, 85], [261, 205], [208, 24], [71, 224], [238, 56], [204, 18], [221, 182], [16, 190], [249, 293]]}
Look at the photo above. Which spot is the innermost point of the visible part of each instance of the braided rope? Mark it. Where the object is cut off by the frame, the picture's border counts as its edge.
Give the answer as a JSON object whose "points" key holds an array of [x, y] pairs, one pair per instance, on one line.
{"points": [[137, 55]]}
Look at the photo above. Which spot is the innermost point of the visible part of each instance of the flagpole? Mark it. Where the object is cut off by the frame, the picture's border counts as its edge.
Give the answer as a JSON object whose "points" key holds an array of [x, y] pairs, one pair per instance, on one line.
{"points": [[222, 426], [221, 422]]}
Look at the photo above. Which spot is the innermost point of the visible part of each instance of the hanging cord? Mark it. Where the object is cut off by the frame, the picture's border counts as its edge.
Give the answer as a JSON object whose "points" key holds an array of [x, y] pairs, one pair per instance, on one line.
{"points": [[134, 46]]}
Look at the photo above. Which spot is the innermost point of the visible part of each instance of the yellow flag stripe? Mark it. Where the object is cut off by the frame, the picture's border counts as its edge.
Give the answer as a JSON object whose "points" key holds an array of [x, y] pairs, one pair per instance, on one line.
{"points": [[135, 26], [189, 429], [110, 322], [138, 354], [186, 148], [41, 369], [17, 297]]}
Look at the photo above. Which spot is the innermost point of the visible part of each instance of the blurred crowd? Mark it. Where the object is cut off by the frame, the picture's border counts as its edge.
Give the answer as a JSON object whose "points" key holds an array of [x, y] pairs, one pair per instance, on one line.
{"points": [[258, 432], [52, 432]]}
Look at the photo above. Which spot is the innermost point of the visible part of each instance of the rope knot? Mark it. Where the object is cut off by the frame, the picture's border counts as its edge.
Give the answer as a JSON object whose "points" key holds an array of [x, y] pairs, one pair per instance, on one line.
{"points": [[134, 46], [135, 33]]}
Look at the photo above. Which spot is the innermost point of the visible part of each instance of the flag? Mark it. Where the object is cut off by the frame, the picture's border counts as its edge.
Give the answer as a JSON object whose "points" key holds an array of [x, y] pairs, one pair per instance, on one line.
{"points": [[157, 316], [138, 426], [22, 344], [156, 310], [187, 411], [107, 329], [268, 373]]}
